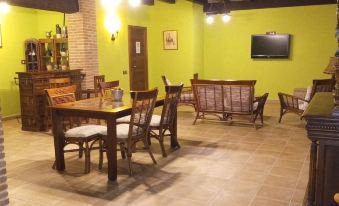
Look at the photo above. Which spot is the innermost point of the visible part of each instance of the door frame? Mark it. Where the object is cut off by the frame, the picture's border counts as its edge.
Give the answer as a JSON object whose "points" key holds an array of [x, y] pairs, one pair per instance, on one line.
{"points": [[130, 28]]}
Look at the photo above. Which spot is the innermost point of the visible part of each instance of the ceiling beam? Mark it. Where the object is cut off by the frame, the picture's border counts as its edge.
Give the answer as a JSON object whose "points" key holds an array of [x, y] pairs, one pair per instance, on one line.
{"points": [[259, 4], [148, 2], [65, 6]]}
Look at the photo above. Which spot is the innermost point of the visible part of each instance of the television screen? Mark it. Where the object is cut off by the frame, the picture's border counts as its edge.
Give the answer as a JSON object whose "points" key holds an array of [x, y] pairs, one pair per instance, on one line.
{"points": [[270, 46]]}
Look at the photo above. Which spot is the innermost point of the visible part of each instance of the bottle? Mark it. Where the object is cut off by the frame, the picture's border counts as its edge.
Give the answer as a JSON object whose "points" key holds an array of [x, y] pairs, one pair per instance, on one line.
{"points": [[58, 31]]}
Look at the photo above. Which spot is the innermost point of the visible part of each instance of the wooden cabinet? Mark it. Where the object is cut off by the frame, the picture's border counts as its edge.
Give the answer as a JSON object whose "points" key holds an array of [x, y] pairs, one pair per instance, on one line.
{"points": [[32, 55], [323, 131], [46, 55], [32, 96]]}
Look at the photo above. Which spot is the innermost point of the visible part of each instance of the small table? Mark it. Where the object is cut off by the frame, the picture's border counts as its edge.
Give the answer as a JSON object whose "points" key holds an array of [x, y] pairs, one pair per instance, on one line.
{"points": [[97, 108]]}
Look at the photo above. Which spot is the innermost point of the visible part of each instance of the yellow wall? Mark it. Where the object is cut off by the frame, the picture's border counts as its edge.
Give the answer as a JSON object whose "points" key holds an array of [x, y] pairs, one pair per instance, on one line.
{"points": [[17, 26], [227, 47], [177, 65]]}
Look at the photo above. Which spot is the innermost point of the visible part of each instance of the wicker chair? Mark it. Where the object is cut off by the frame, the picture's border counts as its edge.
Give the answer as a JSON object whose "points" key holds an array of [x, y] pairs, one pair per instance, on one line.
{"points": [[293, 104], [160, 124], [136, 128], [88, 134], [105, 87], [187, 97], [97, 80]]}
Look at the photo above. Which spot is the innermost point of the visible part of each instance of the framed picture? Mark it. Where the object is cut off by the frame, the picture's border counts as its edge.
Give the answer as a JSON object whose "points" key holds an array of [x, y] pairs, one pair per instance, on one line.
{"points": [[0, 37], [171, 40]]}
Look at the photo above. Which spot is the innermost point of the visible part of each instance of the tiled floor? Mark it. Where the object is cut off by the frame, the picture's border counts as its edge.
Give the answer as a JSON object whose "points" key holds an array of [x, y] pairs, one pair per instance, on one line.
{"points": [[218, 164]]}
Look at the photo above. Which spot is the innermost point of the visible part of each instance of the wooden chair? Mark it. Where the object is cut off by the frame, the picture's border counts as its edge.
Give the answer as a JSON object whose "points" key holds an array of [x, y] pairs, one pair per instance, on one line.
{"points": [[137, 128], [160, 124], [187, 96], [59, 82], [105, 87], [322, 85], [293, 104], [87, 134], [97, 80]]}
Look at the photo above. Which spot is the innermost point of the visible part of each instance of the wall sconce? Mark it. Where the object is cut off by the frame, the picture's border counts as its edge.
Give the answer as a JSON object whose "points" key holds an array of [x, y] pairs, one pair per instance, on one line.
{"points": [[114, 35], [113, 25]]}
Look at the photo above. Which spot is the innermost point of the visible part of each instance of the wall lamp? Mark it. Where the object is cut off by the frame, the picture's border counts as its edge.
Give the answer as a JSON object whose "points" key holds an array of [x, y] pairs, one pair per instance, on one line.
{"points": [[4, 7], [113, 25], [114, 35]]}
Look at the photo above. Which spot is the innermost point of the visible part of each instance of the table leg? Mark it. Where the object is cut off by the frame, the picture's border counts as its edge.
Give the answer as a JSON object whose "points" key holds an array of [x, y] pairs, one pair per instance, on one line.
{"points": [[174, 132], [111, 145], [58, 140]]}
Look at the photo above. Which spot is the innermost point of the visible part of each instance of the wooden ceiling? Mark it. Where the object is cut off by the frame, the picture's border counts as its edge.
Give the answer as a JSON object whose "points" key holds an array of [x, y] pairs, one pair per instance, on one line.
{"points": [[209, 6]]}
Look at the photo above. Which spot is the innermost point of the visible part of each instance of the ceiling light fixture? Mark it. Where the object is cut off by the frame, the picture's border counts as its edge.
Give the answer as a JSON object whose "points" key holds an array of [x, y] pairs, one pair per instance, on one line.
{"points": [[209, 19], [4, 7], [134, 3], [226, 18]]}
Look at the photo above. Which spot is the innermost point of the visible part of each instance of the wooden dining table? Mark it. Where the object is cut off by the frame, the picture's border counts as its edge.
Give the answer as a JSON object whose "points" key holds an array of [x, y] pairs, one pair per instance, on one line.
{"points": [[97, 108]]}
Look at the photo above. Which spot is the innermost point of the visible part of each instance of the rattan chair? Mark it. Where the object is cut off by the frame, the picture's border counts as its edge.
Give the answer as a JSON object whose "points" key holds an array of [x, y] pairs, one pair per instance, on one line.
{"points": [[187, 96], [160, 124], [293, 104], [82, 135], [105, 87], [136, 128]]}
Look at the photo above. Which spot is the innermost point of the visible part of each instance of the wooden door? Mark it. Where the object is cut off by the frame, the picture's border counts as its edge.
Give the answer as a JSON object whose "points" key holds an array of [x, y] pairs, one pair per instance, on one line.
{"points": [[138, 64]]}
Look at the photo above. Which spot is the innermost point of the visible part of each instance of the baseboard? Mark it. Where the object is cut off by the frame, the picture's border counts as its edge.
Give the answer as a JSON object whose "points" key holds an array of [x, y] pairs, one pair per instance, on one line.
{"points": [[9, 117]]}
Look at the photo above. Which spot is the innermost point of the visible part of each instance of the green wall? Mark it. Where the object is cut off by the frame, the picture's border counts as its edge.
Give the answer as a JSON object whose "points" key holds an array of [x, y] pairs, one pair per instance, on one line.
{"points": [[227, 47], [17, 26], [177, 65]]}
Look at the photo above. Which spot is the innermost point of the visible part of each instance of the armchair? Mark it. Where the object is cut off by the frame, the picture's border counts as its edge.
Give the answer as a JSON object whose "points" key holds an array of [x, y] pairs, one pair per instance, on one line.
{"points": [[186, 97], [297, 105]]}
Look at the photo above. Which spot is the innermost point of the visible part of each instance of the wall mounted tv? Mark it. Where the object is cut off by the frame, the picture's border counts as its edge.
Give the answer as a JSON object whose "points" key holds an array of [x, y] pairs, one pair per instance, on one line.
{"points": [[270, 46]]}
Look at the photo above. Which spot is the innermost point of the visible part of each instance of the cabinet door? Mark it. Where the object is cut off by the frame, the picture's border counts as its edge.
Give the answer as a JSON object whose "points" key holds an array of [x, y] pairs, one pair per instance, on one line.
{"points": [[327, 173]]}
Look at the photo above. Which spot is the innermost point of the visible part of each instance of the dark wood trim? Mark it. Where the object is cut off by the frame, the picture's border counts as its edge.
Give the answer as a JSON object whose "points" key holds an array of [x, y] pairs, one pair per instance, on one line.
{"points": [[65, 6], [130, 27]]}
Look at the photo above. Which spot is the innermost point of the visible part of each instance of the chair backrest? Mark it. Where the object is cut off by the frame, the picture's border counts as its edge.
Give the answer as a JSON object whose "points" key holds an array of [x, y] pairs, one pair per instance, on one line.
{"points": [[105, 87], [239, 96], [61, 95], [209, 97], [59, 82], [142, 111], [322, 85], [170, 105], [195, 76], [97, 80], [166, 81]]}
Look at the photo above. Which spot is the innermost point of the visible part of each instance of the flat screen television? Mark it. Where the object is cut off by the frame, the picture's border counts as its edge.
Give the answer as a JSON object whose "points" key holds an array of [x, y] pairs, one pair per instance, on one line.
{"points": [[270, 46]]}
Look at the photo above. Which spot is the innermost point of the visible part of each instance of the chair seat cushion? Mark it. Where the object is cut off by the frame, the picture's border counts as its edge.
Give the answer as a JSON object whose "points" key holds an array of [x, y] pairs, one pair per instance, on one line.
{"points": [[155, 121], [302, 105], [122, 131], [86, 131]]}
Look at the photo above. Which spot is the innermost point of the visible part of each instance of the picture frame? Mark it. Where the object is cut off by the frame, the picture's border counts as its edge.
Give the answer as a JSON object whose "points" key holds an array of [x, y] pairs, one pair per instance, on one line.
{"points": [[0, 37], [170, 38]]}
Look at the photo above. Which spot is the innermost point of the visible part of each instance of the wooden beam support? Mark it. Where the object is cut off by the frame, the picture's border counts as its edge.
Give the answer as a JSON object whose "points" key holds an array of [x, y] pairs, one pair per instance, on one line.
{"points": [[148, 2], [259, 4], [65, 6], [169, 1]]}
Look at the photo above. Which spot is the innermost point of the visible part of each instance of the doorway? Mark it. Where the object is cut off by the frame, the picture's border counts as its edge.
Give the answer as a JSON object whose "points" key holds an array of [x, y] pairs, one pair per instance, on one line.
{"points": [[138, 58]]}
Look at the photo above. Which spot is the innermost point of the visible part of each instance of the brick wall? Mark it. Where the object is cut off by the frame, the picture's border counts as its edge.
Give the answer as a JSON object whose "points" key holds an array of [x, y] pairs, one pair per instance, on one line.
{"points": [[3, 185], [82, 40]]}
